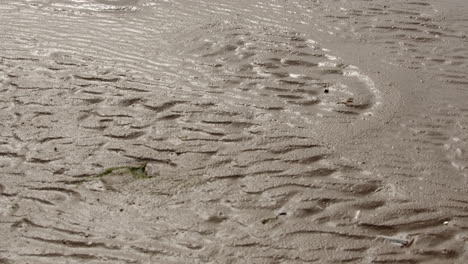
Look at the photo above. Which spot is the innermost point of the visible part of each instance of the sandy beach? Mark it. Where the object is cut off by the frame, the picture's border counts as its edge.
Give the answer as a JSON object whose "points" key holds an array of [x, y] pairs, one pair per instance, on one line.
{"points": [[215, 131]]}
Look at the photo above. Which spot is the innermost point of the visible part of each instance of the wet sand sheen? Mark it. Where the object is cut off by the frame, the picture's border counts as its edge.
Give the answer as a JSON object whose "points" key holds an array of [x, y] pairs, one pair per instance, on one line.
{"points": [[280, 132]]}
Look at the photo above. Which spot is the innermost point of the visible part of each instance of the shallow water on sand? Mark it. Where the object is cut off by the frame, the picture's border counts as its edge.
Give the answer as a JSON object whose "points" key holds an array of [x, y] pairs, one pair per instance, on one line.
{"points": [[280, 131]]}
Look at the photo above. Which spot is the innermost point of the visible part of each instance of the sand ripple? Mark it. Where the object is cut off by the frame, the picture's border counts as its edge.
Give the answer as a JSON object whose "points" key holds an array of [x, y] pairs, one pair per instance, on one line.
{"points": [[267, 146]]}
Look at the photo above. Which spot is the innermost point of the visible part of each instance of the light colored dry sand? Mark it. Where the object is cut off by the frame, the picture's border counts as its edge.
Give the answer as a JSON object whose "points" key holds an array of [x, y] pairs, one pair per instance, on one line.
{"points": [[276, 131]]}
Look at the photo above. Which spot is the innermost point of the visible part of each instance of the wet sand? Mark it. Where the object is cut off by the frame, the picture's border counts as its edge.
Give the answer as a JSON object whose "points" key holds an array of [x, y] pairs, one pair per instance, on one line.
{"points": [[274, 132]]}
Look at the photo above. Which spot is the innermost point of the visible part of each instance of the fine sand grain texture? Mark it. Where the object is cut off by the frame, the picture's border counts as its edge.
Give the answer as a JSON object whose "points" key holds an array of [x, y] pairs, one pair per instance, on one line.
{"points": [[216, 131]]}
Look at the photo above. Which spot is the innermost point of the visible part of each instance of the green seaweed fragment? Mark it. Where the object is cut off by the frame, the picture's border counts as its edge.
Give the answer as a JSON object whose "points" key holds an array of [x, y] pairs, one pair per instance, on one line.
{"points": [[137, 172]]}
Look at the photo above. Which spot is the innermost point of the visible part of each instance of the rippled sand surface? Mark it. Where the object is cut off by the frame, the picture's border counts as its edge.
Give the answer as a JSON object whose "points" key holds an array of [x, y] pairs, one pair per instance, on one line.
{"points": [[276, 131]]}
